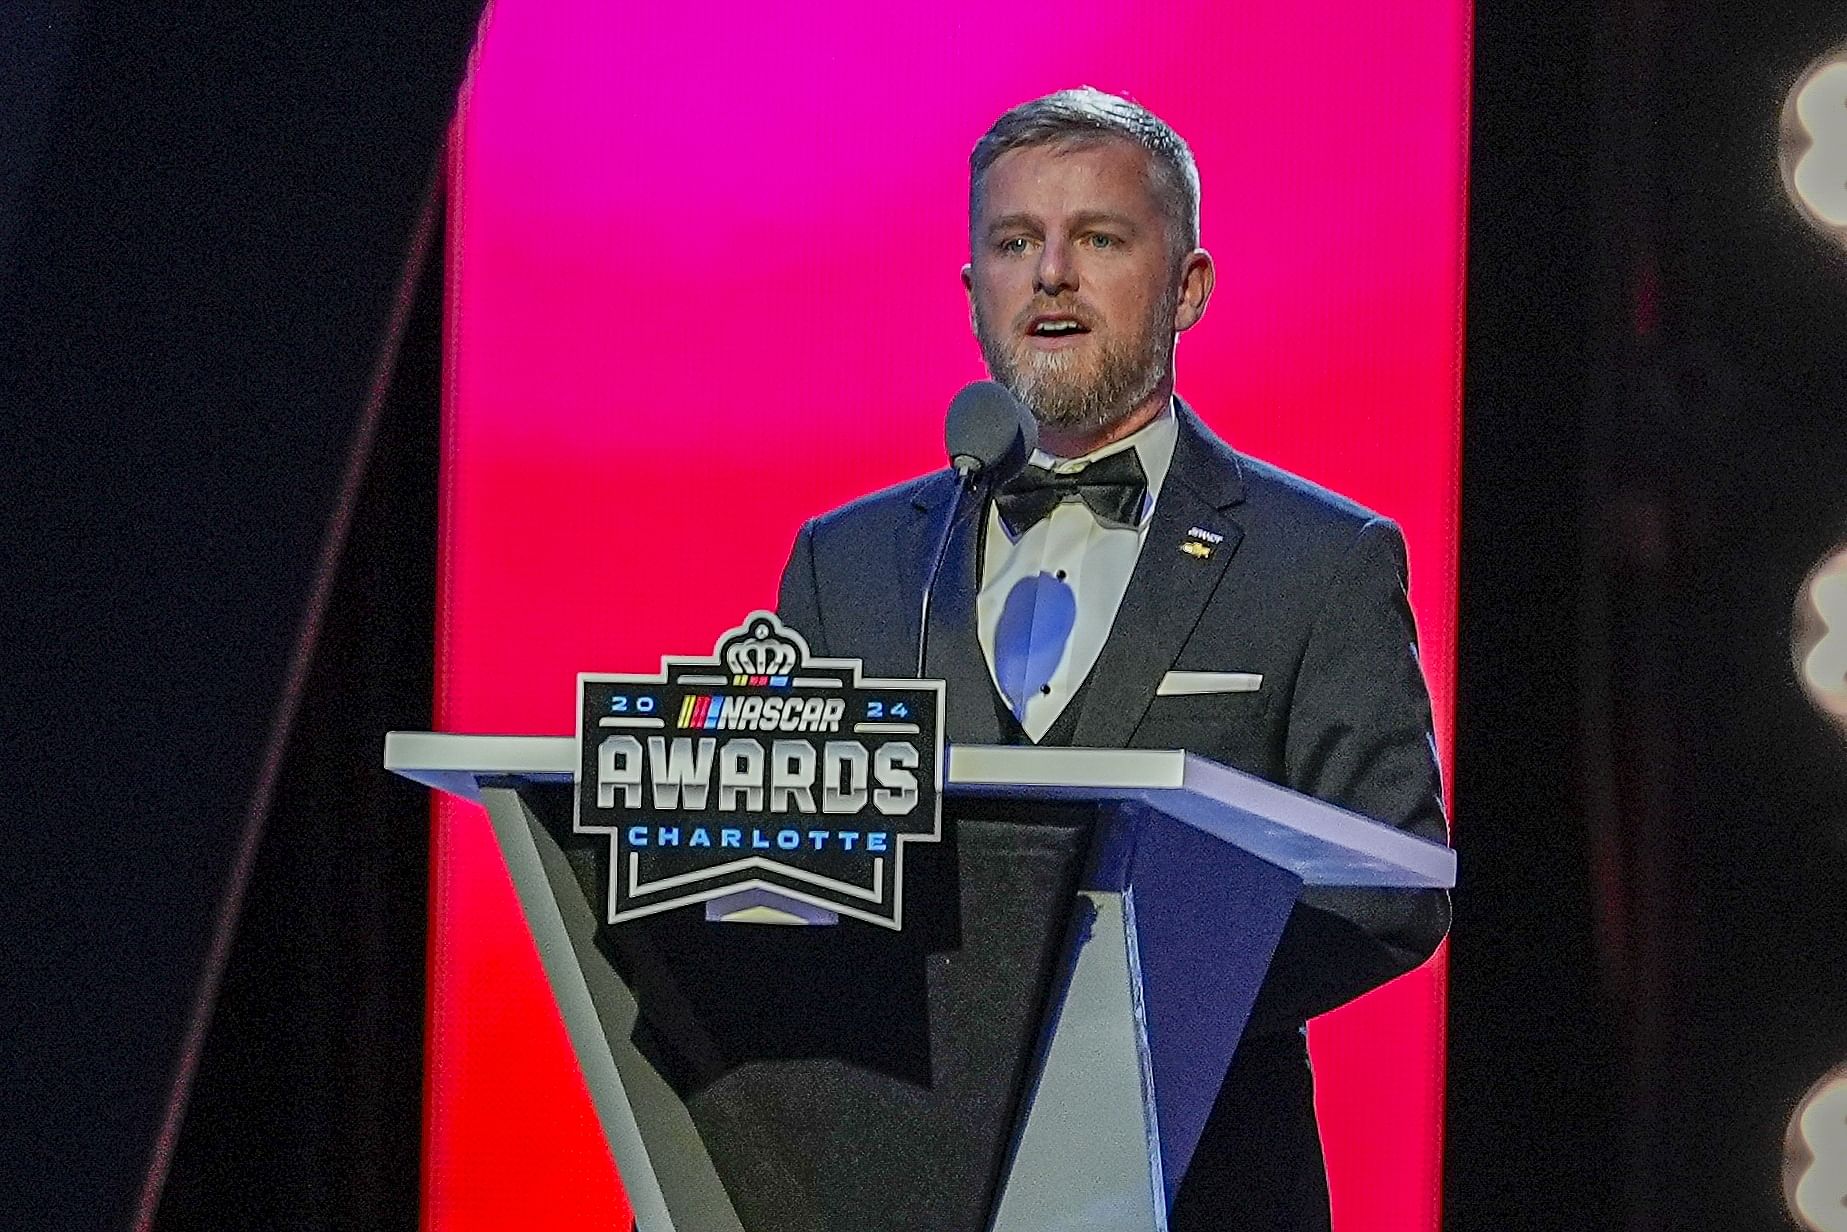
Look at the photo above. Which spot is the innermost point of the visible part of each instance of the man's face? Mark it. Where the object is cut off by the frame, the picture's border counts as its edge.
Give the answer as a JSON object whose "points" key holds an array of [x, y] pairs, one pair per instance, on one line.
{"points": [[1074, 285]]}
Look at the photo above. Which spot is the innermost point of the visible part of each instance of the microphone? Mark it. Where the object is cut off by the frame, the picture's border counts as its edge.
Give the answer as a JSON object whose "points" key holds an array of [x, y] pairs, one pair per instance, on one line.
{"points": [[988, 430], [988, 436]]}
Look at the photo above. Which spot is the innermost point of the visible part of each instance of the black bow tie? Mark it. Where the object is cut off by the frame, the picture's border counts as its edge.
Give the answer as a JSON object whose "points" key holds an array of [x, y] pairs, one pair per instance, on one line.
{"points": [[1112, 487]]}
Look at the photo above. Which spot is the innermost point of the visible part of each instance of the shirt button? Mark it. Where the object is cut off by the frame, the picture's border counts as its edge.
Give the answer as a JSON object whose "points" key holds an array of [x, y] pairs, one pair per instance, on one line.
{"points": [[1061, 575], [1045, 688]]}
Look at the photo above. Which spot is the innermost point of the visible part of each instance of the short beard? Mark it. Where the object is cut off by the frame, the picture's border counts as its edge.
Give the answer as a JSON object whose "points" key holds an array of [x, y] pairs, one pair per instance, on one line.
{"points": [[1128, 372]]}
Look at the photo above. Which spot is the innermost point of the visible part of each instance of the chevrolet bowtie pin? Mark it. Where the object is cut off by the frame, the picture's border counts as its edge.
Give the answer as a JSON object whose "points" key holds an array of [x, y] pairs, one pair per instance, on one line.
{"points": [[1193, 546]]}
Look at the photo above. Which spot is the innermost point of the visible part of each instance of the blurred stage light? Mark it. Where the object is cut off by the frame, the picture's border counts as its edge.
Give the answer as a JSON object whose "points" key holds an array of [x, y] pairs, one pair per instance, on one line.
{"points": [[1815, 1156], [1818, 638], [1812, 154]]}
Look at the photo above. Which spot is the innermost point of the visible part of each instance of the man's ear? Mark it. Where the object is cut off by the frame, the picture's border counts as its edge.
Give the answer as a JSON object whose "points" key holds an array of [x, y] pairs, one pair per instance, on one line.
{"points": [[1196, 278], [968, 289]]}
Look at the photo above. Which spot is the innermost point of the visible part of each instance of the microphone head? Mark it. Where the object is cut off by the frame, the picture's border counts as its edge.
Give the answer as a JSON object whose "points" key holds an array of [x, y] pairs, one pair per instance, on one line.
{"points": [[988, 432]]}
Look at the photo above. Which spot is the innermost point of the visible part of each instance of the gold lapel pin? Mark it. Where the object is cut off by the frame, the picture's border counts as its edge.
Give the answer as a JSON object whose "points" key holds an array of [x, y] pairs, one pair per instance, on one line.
{"points": [[1193, 547]]}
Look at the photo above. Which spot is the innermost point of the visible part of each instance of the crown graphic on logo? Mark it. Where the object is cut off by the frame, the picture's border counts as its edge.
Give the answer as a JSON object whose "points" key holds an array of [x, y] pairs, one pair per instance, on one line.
{"points": [[761, 649]]}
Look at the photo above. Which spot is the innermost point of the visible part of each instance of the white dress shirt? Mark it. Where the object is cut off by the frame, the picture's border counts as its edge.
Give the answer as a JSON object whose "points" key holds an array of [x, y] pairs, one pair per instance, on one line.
{"points": [[1048, 599]]}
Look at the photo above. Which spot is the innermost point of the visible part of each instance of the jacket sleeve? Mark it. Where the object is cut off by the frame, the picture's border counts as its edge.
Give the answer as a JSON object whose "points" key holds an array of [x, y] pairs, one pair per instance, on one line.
{"points": [[1359, 735], [798, 601]]}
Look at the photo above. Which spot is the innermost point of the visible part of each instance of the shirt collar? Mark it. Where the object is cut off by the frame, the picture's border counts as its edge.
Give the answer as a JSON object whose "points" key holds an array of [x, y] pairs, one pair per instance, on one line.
{"points": [[1153, 444]]}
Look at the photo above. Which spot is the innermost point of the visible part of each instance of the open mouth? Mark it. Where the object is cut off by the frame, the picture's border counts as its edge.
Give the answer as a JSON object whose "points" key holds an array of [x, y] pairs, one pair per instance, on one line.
{"points": [[1056, 327]]}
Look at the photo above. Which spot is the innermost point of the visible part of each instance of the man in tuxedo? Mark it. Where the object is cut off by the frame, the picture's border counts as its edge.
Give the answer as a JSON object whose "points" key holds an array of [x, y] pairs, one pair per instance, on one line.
{"points": [[1141, 584]]}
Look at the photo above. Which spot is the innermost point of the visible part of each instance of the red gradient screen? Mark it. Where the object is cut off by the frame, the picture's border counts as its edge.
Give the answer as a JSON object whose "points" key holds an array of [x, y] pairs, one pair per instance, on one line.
{"points": [[704, 284]]}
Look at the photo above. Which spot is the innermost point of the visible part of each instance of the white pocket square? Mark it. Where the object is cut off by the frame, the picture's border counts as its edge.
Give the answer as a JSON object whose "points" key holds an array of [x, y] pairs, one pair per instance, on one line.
{"points": [[1186, 684]]}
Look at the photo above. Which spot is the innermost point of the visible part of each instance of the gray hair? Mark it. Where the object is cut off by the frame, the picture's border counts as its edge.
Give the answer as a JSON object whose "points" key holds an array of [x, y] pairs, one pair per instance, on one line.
{"points": [[1084, 117]]}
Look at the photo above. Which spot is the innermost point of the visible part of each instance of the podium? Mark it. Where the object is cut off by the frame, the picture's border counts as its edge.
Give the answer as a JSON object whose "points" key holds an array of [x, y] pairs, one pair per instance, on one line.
{"points": [[1037, 1051]]}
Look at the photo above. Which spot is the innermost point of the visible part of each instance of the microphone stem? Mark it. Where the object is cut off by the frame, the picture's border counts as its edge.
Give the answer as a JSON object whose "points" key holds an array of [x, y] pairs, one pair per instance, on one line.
{"points": [[967, 480]]}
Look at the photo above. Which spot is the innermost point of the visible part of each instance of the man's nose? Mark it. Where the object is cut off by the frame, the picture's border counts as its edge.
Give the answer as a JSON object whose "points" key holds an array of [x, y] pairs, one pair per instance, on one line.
{"points": [[1055, 272]]}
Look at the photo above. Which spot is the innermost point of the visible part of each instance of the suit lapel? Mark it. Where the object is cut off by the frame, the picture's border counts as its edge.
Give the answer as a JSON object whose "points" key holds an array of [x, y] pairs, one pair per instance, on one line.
{"points": [[1168, 590], [954, 652]]}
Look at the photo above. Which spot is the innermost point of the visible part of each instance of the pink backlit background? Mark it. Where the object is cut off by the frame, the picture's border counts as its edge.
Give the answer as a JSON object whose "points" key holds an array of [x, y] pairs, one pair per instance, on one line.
{"points": [[703, 265]]}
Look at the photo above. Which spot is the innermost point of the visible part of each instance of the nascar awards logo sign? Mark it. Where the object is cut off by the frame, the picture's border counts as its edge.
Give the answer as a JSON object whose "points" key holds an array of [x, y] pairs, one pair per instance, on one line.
{"points": [[759, 768]]}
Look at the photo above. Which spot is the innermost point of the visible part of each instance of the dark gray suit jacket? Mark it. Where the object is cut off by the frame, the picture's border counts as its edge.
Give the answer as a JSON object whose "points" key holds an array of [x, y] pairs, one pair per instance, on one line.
{"points": [[1306, 588]]}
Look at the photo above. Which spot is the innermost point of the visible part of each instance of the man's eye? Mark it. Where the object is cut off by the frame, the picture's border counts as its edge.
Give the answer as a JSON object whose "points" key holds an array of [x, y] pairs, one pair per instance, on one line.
{"points": [[1016, 244], [1099, 240]]}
